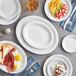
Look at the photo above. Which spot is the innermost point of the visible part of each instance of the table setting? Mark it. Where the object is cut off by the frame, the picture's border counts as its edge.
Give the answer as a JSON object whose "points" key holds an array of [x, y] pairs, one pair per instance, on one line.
{"points": [[37, 37]]}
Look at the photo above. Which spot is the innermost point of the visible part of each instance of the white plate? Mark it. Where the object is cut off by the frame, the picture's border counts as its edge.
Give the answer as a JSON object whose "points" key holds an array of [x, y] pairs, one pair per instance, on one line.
{"points": [[23, 54], [38, 35], [9, 8], [69, 43], [53, 60], [4, 21], [20, 38], [49, 15]]}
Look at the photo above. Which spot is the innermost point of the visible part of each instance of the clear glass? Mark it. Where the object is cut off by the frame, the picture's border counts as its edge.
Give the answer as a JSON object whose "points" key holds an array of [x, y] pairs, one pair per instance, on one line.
{"points": [[31, 5]]}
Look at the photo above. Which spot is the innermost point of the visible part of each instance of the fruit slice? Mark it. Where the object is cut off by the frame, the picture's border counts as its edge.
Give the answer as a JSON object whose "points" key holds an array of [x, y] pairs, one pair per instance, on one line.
{"points": [[56, 3], [52, 8], [59, 4], [50, 4]]}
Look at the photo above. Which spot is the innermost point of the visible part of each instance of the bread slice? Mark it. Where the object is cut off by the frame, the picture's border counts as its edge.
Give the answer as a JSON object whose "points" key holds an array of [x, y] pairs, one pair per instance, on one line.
{"points": [[6, 49]]}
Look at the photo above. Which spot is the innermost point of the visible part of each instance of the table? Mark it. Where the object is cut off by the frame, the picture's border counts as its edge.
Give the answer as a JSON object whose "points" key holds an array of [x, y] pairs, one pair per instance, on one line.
{"points": [[40, 59]]}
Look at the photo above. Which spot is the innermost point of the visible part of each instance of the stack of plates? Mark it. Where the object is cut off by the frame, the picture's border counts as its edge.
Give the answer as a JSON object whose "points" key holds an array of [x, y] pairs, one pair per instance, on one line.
{"points": [[48, 68], [9, 11], [37, 35]]}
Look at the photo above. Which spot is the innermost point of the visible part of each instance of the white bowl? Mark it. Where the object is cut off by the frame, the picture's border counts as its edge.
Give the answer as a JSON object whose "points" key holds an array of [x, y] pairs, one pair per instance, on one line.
{"points": [[49, 15], [23, 54]]}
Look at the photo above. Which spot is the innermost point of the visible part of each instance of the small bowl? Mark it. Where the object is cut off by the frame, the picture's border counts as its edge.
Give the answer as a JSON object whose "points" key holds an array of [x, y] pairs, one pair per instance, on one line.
{"points": [[3, 68], [49, 15]]}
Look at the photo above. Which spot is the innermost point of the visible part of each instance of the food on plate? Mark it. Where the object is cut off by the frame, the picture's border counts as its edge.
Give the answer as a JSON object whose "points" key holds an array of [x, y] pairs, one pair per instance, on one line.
{"points": [[58, 9], [59, 69], [10, 57]]}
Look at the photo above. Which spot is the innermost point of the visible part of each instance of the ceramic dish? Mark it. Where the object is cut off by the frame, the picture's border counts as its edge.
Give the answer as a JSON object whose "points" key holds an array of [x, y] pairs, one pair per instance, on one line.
{"points": [[38, 35], [20, 38], [5, 8], [49, 15], [24, 58], [4, 21], [53, 60], [69, 43]]}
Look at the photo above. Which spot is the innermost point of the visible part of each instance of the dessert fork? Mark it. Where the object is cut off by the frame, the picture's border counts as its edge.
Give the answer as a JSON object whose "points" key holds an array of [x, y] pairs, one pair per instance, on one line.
{"points": [[69, 17], [70, 22]]}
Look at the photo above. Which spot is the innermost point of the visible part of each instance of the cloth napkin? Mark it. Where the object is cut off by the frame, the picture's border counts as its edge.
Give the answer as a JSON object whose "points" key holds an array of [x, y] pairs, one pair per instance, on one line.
{"points": [[70, 28], [28, 73]]}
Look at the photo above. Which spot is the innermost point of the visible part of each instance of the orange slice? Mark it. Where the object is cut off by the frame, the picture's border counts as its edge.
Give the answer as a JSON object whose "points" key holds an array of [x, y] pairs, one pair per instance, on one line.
{"points": [[50, 4], [54, 10], [57, 3]]}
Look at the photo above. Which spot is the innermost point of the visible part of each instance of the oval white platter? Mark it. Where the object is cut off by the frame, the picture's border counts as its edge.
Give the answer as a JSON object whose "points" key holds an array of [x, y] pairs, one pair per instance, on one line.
{"points": [[3, 68], [69, 43], [49, 15], [38, 35], [19, 30], [55, 59]]}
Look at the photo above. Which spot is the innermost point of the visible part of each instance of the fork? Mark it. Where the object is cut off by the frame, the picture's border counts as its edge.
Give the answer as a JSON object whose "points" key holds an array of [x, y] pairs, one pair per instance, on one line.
{"points": [[69, 17], [29, 70], [70, 22]]}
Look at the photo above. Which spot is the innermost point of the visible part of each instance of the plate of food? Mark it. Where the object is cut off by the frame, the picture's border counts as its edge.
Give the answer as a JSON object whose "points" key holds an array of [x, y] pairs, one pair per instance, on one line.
{"points": [[57, 65], [12, 58], [58, 10]]}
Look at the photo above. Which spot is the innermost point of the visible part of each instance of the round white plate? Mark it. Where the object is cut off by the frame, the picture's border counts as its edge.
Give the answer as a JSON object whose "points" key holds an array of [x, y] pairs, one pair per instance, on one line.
{"points": [[38, 35], [4, 21], [69, 43], [49, 15], [23, 54], [20, 38], [55, 59], [9, 8]]}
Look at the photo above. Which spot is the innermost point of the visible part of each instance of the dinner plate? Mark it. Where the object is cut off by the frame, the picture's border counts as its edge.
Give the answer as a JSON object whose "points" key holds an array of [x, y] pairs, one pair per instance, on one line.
{"points": [[3, 68], [4, 21], [55, 59], [38, 35], [8, 12], [20, 38], [69, 43], [49, 15]]}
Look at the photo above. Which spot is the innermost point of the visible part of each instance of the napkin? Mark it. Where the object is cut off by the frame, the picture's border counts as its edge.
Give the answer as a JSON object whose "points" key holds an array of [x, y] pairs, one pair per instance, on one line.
{"points": [[70, 28], [28, 73]]}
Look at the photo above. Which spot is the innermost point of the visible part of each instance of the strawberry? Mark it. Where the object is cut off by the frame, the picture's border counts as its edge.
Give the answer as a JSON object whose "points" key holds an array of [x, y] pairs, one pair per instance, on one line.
{"points": [[65, 11], [65, 6], [62, 10], [60, 16], [56, 15]]}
